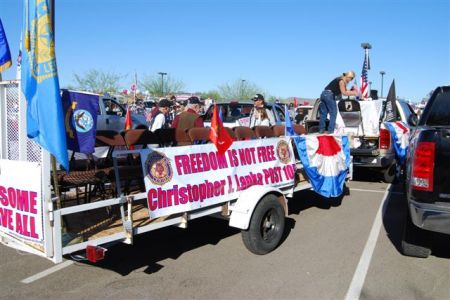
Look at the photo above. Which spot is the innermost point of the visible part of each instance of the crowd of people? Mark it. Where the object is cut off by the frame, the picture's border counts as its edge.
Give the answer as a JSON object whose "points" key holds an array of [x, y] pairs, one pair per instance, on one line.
{"points": [[170, 113]]}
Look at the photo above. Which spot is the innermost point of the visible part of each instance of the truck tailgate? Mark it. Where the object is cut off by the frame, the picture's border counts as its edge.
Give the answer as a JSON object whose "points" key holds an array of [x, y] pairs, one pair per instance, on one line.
{"points": [[442, 165]]}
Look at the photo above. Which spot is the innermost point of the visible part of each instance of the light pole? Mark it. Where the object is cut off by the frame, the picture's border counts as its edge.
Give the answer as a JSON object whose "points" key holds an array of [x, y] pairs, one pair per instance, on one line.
{"points": [[162, 82], [382, 77], [370, 88], [241, 89]]}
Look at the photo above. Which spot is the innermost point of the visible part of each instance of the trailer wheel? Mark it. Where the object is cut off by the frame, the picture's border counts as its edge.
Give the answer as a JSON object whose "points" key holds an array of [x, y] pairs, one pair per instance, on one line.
{"points": [[266, 226]]}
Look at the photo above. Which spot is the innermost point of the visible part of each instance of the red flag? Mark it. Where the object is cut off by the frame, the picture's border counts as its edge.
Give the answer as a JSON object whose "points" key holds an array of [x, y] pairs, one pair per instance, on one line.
{"points": [[295, 102], [128, 123], [217, 134]]}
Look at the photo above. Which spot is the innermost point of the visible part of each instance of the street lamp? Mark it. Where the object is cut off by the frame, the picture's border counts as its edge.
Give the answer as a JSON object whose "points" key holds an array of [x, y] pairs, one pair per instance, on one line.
{"points": [[241, 89], [382, 76], [162, 82]]}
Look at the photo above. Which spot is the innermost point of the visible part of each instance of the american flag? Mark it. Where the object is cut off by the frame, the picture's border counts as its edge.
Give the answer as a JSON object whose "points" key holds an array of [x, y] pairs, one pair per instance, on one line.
{"points": [[364, 82]]}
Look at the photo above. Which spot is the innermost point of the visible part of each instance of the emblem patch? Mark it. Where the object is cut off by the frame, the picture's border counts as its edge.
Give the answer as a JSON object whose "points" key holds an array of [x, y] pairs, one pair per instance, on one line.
{"points": [[158, 167], [283, 153], [82, 120]]}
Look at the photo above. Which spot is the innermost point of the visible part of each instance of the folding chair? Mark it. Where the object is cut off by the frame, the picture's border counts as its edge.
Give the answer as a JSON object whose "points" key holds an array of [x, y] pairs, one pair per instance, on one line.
{"points": [[244, 133], [198, 135], [264, 132]]}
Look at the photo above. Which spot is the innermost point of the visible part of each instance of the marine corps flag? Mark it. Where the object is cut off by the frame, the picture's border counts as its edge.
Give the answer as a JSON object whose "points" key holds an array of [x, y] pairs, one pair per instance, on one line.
{"points": [[391, 109], [128, 123], [218, 135], [80, 118]]}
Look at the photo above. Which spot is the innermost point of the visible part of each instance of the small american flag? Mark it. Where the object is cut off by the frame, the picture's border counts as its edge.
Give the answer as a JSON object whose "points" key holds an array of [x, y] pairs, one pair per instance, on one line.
{"points": [[364, 82]]}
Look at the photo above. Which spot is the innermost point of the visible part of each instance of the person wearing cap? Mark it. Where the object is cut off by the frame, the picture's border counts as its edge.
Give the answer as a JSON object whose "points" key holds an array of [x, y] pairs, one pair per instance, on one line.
{"points": [[258, 102], [190, 117], [160, 119], [334, 90]]}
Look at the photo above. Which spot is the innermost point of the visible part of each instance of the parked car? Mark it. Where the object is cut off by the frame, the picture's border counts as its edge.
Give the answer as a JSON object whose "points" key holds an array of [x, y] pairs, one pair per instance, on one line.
{"points": [[427, 177], [111, 114], [371, 148], [237, 113]]}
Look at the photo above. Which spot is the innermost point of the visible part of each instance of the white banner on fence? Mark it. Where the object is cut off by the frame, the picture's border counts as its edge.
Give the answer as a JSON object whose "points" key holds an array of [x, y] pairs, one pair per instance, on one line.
{"points": [[181, 179], [21, 200]]}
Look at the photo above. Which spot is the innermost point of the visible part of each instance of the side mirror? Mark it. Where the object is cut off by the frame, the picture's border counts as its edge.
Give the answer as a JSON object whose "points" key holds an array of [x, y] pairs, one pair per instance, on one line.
{"points": [[413, 120]]}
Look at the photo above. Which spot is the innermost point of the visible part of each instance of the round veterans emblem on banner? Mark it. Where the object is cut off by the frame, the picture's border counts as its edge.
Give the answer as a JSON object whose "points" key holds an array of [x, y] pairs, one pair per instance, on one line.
{"points": [[82, 120], [159, 169], [283, 153]]}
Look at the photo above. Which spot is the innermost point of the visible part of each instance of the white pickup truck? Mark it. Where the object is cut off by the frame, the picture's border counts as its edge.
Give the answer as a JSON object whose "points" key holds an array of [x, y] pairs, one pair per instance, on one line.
{"points": [[370, 142]]}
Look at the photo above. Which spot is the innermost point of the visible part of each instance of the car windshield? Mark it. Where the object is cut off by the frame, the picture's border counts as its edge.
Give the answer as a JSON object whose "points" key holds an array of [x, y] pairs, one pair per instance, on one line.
{"points": [[230, 111]]}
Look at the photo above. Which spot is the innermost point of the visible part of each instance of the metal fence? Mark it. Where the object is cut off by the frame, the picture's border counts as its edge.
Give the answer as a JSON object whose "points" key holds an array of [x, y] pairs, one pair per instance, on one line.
{"points": [[15, 145]]}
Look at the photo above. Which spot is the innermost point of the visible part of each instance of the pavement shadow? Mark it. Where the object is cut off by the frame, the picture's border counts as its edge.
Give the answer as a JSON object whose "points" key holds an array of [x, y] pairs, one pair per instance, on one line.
{"points": [[364, 174], [169, 242], [305, 199], [395, 210]]}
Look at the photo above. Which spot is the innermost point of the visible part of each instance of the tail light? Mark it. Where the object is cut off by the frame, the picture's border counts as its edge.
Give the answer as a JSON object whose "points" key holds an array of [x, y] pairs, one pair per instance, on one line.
{"points": [[95, 253], [423, 167], [385, 139]]}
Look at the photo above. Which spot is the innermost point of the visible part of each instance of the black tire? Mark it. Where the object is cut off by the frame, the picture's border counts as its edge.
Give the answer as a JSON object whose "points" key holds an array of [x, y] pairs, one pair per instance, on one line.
{"points": [[389, 174], [266, 226], [416, 242]]}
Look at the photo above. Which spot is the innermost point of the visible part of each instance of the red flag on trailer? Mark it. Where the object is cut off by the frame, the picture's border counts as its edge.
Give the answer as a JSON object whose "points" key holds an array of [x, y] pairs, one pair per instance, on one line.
{"points": [[128, 123], [217, 134]]}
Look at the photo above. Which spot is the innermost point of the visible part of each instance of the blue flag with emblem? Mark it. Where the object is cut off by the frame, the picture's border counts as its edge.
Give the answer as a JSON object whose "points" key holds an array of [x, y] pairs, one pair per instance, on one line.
{"points": [[40, 85], [5, 54], [80, 120], [289, 129]]}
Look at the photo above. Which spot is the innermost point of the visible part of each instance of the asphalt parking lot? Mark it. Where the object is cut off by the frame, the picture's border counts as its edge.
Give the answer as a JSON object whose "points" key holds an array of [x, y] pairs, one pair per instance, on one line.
{"points": [[343, 248]]}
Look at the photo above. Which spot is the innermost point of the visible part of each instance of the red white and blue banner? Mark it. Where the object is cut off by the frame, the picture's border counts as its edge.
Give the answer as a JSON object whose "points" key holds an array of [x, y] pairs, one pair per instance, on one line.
{"points": [[181, 179], [400, 138], [326, 161]]}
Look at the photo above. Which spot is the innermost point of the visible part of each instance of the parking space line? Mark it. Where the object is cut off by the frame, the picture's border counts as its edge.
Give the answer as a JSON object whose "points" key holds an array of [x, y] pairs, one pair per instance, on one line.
{"points": [[47, 272], [375, 191], [354, 291]]}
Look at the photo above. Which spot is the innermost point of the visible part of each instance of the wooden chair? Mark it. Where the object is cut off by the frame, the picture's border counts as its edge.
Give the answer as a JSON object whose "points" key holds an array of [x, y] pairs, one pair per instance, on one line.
{"points": [[244, 133], [299, 129], [140, 137], [231, 133], [181, 137], [166, 137], [198, 135], [278, 130], [264, 132]]}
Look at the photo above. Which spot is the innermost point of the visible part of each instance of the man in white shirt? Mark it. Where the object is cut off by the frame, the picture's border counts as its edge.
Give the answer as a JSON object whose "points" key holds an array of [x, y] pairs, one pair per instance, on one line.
{"points": [[160, 119]]}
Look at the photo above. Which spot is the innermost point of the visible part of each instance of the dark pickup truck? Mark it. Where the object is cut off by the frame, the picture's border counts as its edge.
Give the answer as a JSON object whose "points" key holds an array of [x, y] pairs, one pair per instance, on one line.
{"points": [[428, 176]]}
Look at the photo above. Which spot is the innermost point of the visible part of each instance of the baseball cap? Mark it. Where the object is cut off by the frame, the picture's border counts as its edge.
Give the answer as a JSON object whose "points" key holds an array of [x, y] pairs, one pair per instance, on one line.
{"points": [[258, 97], [165, 103], [194, 100]]}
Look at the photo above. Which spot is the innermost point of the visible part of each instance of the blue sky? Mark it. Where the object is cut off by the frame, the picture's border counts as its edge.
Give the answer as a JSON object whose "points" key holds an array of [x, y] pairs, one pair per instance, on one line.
{"points": [[288, 48]]}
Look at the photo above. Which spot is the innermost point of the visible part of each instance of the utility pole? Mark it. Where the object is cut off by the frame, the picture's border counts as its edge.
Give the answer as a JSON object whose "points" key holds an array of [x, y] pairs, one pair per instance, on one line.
{"points": [[382, 78], [162, 82]]}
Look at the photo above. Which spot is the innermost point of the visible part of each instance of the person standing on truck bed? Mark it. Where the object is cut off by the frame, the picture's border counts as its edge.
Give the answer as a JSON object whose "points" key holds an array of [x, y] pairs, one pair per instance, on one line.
{"points": [[259, 102], [335, 89], [190, 117]]}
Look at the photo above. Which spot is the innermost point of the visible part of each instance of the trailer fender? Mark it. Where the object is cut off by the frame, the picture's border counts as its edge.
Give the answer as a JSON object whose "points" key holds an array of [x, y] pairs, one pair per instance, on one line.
{"points": [[242, 210]]}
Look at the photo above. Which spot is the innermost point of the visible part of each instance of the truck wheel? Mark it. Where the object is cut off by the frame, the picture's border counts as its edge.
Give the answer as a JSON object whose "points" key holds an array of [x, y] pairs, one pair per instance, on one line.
{"points": [[416, 242], [389, 174], [266, 226]]}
